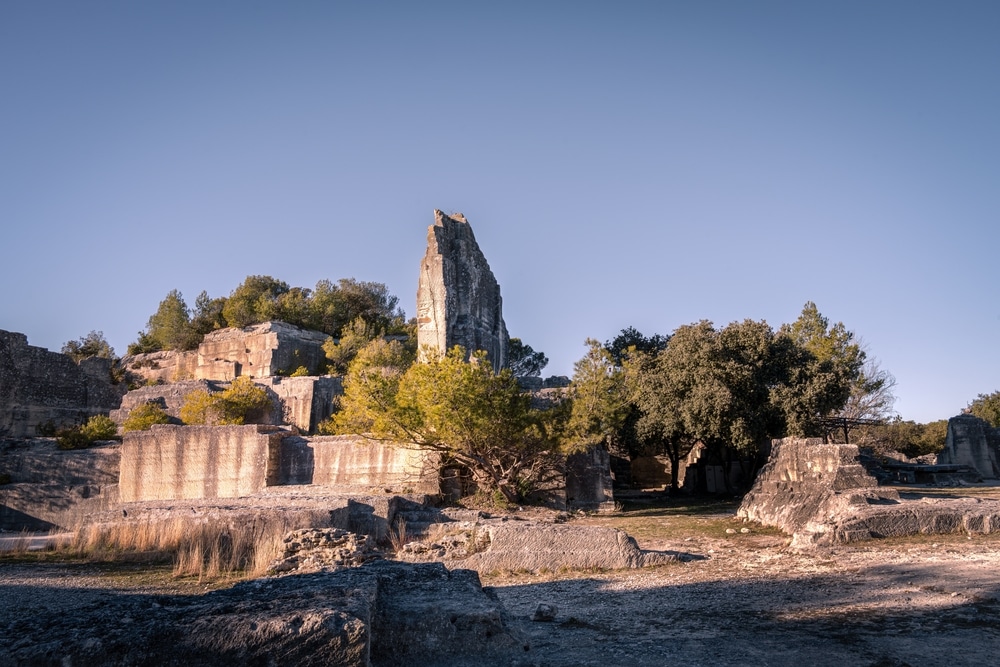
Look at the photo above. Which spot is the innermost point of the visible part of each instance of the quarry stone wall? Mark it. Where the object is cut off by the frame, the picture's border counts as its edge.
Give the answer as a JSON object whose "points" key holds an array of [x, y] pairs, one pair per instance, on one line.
{"points": [[458, 298], [257, 351], [171, 462], [588, 479], [51, 488], [353, 462], [203, 462], [38, 386], [302, 402]]}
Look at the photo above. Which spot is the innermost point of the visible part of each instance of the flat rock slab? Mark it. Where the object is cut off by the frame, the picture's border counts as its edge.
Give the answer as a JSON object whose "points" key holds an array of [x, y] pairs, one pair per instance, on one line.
{"points": [[516, 546], [379, 614]]}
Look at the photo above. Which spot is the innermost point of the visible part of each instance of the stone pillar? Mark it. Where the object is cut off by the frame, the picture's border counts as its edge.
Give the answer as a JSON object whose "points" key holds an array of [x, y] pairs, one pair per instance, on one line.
{"points": [[458, 298]]}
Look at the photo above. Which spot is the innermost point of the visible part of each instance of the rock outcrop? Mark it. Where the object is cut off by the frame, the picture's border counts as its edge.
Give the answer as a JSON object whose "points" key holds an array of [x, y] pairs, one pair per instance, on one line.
{"points": [[972, 442], [50, 488], [303, 402], [514, 546], [458, 298], [257, 351], [382, 614], [38, 387], [822, 495]]}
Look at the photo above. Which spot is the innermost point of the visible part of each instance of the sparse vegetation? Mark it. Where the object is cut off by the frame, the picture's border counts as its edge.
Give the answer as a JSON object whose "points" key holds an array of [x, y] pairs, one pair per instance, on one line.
{"points": [[216, 549], [142, 417], [242, 403], [98, 427]]}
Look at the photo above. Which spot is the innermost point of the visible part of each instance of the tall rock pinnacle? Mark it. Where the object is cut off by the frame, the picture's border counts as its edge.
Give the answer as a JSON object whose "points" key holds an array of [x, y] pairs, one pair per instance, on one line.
{"points": [[458, 299]]}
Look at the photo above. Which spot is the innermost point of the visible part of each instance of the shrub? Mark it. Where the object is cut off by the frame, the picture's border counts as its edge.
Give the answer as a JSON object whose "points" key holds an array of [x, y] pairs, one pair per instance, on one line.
{"points": [[46, 429], [72, 438], [99, 427], [301, 371], [199, 408], [144, 416], [242, 403], [5, 478]]}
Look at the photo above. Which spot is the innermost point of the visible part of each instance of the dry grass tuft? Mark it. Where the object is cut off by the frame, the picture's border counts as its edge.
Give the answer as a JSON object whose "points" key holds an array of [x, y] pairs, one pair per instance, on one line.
{"points": [[209, 549]]}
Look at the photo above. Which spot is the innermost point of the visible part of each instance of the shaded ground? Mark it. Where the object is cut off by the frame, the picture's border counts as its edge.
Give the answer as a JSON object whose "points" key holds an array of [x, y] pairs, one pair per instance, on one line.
{"points": [[930, 600]]}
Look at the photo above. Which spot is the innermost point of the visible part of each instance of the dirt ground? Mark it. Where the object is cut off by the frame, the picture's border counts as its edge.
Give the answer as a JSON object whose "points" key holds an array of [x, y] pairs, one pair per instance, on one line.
{"points": [[743, 598]]}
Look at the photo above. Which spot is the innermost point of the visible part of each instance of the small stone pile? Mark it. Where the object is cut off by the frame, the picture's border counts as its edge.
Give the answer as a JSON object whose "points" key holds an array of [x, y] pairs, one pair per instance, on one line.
{"points": [[324, 550]]}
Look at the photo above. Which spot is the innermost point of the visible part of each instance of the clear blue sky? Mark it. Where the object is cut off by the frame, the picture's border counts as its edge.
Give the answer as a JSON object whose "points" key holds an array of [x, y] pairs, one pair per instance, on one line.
{"points": [[644, 164]]}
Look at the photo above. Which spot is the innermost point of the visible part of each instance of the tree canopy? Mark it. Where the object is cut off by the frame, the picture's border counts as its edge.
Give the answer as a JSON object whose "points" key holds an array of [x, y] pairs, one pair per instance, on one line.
{"points": [[462, 409], [93, 344], [523, 361], [330, 308], [987, 407]]}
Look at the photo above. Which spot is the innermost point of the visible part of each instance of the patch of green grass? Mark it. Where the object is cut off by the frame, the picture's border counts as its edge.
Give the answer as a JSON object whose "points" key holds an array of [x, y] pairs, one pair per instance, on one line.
{"points": [[680, 519]]}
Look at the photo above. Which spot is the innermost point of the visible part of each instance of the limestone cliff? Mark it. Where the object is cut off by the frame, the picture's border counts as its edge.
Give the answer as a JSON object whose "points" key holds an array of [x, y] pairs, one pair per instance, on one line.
{"points": [[458, 298]]}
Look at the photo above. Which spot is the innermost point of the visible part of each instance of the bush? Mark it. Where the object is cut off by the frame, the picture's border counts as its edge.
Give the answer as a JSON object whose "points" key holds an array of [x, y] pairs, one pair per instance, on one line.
{"points": [[99, 427], [242, 403], [144, 416], [5, 478], [199, 408], [72, 438], [46, 429], [301, 371]]}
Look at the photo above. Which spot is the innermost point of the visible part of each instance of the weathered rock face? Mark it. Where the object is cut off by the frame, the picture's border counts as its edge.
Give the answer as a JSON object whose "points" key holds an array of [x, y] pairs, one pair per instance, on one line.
{"points": [[38, 386], [171, 462], [353, 463], [822, 495], [497, 545], [972, 442], [588, 480], [257, 351], [458, 298], [53, 488], [808, 483], [379, 614], [176, 462]]}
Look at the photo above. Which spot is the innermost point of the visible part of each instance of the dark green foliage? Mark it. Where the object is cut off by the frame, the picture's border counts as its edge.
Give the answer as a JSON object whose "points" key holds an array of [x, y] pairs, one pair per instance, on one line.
{"points": [[632, 339], [524, 361], [170, 326], [5, 478], [46, 429], [144, 344], [908, 437], [987, 407], [71, 438], [98, 427], [92, 345], [207, 315]]}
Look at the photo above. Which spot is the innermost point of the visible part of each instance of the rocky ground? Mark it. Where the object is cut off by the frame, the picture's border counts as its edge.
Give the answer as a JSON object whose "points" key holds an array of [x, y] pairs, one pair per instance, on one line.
{"points": [[742, 598]]}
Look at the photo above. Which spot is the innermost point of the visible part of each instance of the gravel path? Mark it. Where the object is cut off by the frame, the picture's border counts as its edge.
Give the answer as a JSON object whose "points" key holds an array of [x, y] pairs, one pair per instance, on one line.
{"points": [[899, 604]]}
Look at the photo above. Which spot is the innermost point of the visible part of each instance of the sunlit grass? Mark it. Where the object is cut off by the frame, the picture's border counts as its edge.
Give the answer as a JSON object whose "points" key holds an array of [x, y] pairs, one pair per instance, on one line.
{"points": [[206, 549]]}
